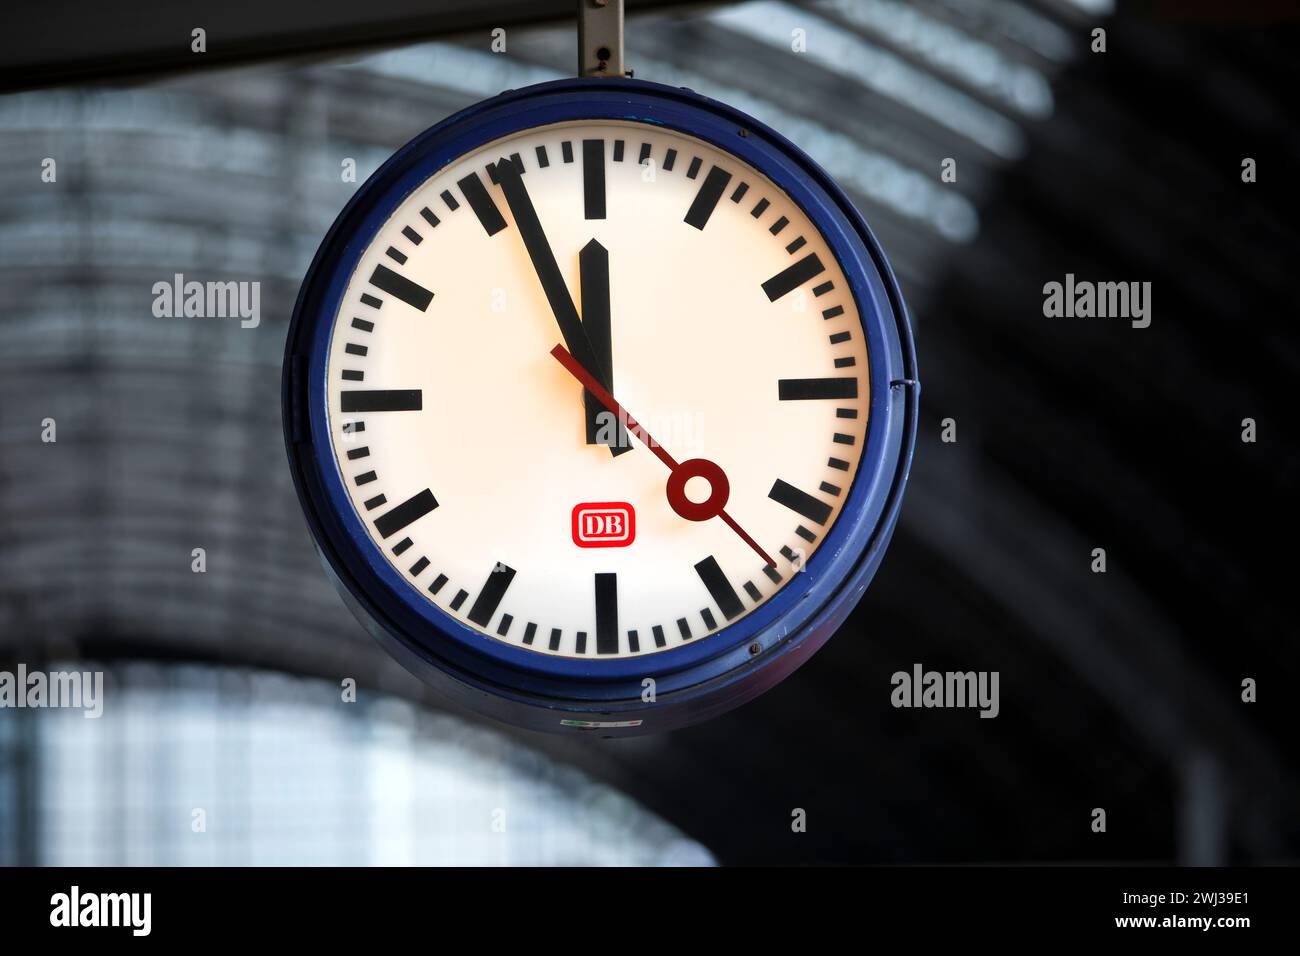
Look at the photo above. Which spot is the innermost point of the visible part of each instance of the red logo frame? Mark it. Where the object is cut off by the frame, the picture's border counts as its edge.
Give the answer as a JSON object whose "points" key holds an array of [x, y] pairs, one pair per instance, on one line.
{"points": [[603, 524]]}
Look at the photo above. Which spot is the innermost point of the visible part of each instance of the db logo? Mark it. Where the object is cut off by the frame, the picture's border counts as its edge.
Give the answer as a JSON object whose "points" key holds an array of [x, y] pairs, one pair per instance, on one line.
{"points": [[604, 524]]}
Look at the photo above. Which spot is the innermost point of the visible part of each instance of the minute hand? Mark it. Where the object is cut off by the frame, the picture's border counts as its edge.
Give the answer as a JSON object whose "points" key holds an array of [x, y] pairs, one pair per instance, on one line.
{"points": [[548, 272]]}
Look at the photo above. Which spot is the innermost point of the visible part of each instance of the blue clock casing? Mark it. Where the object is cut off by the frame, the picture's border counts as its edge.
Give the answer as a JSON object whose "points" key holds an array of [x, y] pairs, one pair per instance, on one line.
{"points": [[691, 682]]}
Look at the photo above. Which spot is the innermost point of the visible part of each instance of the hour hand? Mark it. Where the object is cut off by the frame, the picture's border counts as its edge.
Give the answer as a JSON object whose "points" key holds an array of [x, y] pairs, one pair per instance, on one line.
{"points": [[548, 272], [603, 427]]}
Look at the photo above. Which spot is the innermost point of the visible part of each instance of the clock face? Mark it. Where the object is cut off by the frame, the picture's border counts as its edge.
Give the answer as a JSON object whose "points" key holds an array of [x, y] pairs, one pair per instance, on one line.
{"points": [[724, 413]]}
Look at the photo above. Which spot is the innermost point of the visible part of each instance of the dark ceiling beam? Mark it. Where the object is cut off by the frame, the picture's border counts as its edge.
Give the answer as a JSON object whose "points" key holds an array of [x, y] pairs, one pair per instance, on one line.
{"points": [[62, 42]]}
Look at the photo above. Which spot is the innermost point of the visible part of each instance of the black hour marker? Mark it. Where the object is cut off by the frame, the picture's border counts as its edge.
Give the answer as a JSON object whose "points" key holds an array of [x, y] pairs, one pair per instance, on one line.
{"points": [[382, 400], [807, 389], [759, 208], [846, 413], [830, 489], [352, 428], [839, 337], [566, 151], [363, 325], [411, 234], [804, 533], [606, 613], [555, 639], [706, 200], [437, 584], [820, 290], [580, 642], [839, 464], [658, 632], [739, 194], [418, 567], [777, 226], [356, 349], [504, 627], [353, 375], [645, 153], [694, 169], [459, 599], [365, 478], [429, 217], [401, 545], [370, 300], [475, 193], [362, 452], [800, 502], [833, 312], [593, 178], [848, 362], [530, 632], [514, 159], [542, 159], [684, 629], [618, 153], [710, 622], [633, 642], [413, 508], [791, 278], [669, 159], [375, 502], [842, 439], [754, 593], [773, 574], [450, 200], [411, 293], [796, 245], [489, 598], [789, 555], [396, 255], [720, 589]]}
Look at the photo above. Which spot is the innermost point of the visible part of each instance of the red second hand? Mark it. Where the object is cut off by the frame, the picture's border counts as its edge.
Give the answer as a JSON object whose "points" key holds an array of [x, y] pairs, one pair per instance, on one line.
{"points": [[592, 385]]}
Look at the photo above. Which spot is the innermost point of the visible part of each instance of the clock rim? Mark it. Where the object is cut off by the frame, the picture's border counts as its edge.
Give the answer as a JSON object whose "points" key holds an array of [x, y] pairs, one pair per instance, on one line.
{"points": [[791, 624]]}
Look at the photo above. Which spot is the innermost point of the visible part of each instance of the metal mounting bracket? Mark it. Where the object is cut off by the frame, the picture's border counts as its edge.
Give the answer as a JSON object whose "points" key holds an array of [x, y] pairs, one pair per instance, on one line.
{"points": [[600, 37]]}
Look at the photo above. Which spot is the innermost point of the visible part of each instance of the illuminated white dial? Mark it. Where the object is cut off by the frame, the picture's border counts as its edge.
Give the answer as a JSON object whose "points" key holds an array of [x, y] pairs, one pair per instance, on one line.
{"points": [[685, 285]]}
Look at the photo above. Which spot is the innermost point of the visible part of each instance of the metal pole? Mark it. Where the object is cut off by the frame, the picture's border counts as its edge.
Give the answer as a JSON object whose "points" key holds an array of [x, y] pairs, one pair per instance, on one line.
{"points": [[1202, 835], [600, 37]]}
